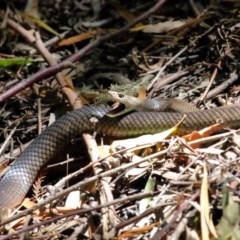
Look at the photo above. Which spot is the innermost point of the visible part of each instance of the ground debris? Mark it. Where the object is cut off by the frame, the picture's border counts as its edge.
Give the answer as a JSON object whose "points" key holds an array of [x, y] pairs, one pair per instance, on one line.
{"points": [[173, 188]]}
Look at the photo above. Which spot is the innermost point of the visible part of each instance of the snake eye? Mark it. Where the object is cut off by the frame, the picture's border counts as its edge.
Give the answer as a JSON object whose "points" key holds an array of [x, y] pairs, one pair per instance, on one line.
{"points": [[121, 95]]}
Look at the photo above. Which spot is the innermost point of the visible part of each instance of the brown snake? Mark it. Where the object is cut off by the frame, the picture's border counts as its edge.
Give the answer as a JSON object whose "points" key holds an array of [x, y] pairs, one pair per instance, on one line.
{"points": [[17, 181]]}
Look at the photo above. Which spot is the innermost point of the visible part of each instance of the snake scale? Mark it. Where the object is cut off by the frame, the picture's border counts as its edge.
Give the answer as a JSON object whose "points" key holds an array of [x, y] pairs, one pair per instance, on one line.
{"points": [[17, 181]]}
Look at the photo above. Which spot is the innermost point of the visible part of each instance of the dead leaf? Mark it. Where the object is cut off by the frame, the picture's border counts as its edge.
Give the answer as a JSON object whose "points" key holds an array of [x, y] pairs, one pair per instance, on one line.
{"points": [[73, 200], [136, 232], [78, 38], [163, 26], [141, 142], [206, 222], [135, 172], [32, 8], [40, 23], [201, 134]]}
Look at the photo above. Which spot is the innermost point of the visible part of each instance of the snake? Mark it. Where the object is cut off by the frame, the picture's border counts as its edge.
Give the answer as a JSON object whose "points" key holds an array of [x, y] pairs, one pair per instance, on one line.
{"points": [[129, 103], [19, 178]]}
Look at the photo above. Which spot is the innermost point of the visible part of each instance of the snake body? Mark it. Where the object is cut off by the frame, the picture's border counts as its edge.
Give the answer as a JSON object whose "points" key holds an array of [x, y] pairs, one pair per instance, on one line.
{"points": [[17, 181]]}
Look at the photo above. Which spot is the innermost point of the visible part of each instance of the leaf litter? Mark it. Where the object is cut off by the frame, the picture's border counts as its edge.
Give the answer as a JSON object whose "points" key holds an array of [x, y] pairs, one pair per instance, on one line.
{"points": [[172, 188]]}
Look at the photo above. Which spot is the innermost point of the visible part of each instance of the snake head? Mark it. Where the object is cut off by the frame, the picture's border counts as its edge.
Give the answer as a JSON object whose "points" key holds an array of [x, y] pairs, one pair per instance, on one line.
{"points": [[125, 105]]}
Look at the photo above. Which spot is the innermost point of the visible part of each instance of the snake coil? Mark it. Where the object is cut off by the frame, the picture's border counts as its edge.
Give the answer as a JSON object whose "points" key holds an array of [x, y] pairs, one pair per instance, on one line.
{"points": [[17, 181]]}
